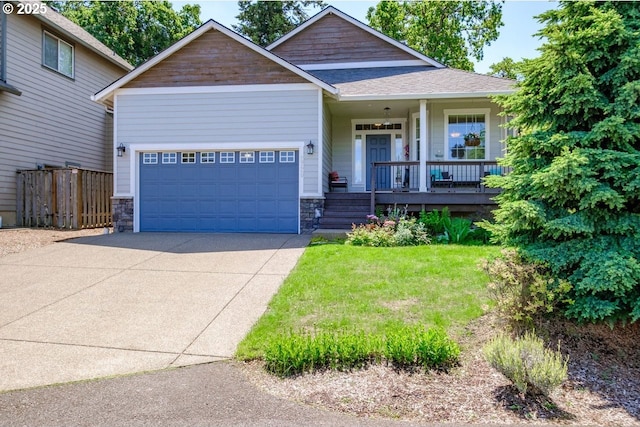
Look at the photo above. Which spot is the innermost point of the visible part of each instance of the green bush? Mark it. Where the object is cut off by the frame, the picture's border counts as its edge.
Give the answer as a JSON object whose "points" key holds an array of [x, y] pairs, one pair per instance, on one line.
{"points": [[434, 220], [408, 347], [524, 292], [527, 363], [417, 346], [394, 230]]}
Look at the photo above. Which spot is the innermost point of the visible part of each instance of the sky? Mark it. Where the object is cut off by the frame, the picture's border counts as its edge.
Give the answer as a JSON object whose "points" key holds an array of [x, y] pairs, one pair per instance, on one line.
{"points": [[516, 36]]}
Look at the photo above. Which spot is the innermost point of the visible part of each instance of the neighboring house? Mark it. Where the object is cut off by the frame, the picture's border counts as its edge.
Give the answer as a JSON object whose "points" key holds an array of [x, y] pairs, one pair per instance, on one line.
{"points": [[49, 68], [223, 135]]}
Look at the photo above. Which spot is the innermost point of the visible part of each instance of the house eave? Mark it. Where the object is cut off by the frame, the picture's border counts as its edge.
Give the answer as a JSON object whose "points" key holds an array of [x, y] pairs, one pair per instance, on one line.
{"points": [[445, 95]]}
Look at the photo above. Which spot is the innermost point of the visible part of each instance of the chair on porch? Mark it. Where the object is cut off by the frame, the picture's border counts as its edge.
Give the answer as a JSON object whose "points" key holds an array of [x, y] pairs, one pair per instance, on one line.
{"points": [[441, 178], [336, 182]]}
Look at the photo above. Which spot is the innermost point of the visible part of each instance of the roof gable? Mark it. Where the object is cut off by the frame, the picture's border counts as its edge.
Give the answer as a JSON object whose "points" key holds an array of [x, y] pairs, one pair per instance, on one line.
{"points": [[333, 37], [274, 65], [214, 59]]}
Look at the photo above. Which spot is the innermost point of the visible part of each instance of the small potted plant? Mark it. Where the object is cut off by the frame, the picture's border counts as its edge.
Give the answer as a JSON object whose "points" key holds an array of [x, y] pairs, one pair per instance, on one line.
{"points": [[472, 139]]}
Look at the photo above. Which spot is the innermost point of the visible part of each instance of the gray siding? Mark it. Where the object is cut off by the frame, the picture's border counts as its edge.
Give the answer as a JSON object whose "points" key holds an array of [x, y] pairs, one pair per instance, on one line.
{"points": [[54, 121], [343, 148], [261, 118]]}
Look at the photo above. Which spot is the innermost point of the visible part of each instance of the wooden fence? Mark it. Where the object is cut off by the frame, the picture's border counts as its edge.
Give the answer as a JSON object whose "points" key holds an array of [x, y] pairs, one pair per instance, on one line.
{"points": [[64, 198]]}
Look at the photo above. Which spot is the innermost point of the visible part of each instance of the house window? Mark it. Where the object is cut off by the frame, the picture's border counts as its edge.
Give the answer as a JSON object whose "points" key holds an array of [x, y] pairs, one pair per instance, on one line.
{"points": [[227, 157], [169, 158], [149, 158], [57, 54], [208, 157], [358, 155], [267, 157], [466, 137], [188, 158], [247, 157], [287, 157]]}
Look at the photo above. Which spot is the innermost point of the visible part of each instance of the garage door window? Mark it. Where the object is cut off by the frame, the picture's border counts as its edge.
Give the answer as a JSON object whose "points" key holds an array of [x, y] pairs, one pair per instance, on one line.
{"points": [[150, 158], [188, 158], [267, 157], [227, 157], [247, 157], [287, 157], [209, 157], [169, 158]]}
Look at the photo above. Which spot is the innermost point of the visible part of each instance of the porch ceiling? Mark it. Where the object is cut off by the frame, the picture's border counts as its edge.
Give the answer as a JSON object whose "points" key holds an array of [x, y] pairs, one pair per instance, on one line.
{"points": [[371, 109]]}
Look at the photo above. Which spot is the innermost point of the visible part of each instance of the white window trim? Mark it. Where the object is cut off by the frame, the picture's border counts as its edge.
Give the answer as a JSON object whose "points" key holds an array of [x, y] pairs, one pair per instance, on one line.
{"points": [[150, 158], [207, 159], [267, 157], [228, 158], [247, 157], [73, 55], [190, 155], [171, 158], [487, 134], [284, 156]]}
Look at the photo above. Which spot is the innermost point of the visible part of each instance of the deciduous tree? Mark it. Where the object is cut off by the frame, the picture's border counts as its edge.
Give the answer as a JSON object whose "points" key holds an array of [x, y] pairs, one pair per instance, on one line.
{"points": [[450, 32], [266, 21], [135, 30]]}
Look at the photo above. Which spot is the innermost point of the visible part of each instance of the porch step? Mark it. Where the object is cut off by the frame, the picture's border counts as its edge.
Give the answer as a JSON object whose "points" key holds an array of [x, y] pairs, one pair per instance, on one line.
{"points": [[341, 210]]}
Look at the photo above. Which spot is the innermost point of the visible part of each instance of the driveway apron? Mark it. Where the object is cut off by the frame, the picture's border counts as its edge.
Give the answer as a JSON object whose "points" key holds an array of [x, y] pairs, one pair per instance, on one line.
{"points": [[122, 303]]}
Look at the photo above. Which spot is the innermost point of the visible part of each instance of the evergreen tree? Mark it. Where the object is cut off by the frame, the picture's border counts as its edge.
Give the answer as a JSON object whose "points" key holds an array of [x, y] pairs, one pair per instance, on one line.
{"points": [[573, 198]]}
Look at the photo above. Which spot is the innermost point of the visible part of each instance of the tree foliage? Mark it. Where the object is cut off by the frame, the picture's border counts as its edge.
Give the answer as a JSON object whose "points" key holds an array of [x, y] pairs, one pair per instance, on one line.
{"points": [[450, 32], [573, 198], [135, 30], [506, 69], [266, 21]]}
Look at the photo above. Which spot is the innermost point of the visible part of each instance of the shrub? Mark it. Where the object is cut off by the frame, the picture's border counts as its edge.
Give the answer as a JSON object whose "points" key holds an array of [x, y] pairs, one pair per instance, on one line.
{"points": [[434, 220], [527, 363], [407, 347], [523, 291], [396, 229], [417, 346], [456, 230]]}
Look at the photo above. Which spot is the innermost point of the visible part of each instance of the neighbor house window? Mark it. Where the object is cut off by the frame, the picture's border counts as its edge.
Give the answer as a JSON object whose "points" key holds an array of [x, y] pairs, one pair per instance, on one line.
{"points": [[57, 54], [208, 157], [188, 158], [466, 134], [227, 157], [168, 158], [287, 157], [150, 158]]}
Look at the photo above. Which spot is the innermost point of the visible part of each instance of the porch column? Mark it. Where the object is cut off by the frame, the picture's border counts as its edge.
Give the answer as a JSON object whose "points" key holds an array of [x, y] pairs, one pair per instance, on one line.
{"points": [[423, 146]]}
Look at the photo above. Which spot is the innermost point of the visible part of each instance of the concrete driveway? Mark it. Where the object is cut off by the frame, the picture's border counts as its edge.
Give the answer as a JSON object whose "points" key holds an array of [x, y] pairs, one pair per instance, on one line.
{"points": [[122, 303]]}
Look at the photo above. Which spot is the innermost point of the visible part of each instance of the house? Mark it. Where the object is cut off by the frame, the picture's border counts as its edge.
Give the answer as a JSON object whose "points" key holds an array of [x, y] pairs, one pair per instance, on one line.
{"points": [[49, 68], [223, 135]]}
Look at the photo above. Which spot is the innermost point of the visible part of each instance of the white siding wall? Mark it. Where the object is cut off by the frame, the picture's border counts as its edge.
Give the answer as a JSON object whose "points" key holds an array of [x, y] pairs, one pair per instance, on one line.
{"points": [[54, 120], [262, 119]]}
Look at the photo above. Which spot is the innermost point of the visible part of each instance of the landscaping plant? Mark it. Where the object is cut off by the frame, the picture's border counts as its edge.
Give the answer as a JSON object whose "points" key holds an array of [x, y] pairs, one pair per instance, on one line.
{"points": [[572, 200], [527, 363]]}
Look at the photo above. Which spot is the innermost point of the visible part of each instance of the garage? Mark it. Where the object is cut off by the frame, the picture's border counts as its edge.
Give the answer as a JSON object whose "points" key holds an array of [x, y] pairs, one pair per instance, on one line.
{"points": [[219, 191]]}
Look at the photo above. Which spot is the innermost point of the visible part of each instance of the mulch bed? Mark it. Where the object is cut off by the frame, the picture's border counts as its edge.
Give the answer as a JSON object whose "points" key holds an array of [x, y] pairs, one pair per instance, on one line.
{"points": [[603, 388]]}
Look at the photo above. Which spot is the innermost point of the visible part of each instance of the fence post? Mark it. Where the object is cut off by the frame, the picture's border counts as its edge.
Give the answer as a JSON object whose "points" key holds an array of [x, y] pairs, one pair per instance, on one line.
{"points": [[20, 199], [481, 175]]}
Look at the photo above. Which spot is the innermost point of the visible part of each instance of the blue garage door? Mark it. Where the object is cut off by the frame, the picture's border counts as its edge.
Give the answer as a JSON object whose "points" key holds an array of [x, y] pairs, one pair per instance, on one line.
{"points": [[233, 191]]}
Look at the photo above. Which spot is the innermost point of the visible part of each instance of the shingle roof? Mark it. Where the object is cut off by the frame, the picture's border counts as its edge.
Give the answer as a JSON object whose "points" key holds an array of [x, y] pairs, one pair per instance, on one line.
{"points": [[416, 81], [64, 25]]}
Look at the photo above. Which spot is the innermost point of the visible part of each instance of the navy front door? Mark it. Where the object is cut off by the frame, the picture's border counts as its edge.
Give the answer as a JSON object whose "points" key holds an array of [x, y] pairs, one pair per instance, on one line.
{"points": [[379, 150]]}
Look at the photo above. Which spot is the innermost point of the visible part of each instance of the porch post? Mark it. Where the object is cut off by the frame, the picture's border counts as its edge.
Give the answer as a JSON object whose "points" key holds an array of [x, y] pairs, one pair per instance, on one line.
{"points": [[423, 146]]}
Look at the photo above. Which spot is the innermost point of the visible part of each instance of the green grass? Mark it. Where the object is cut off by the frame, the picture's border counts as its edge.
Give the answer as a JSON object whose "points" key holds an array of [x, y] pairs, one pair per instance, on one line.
{"points": [[375, 290]]}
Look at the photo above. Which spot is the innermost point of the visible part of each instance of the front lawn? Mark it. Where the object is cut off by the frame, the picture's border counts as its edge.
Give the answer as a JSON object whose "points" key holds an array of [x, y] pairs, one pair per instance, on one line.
{"points": [[375, 290]]}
